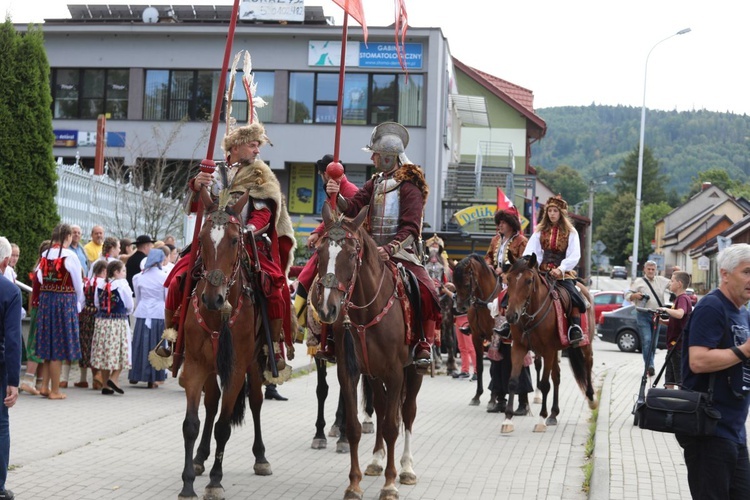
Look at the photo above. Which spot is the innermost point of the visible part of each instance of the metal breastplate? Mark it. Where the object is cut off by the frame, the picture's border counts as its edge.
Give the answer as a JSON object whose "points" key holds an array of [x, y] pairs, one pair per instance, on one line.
{"points": [[435, 270], [385, 208]]}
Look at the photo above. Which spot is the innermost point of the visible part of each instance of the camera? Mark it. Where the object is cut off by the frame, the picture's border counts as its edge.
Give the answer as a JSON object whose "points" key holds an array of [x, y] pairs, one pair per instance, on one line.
{"points": [[664, 315], [645, 297]]}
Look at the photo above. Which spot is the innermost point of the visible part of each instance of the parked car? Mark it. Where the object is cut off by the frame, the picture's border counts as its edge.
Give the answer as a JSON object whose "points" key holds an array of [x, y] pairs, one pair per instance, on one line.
{"points": [[693, 297], [619, 272], [621, 327], [607, 301]]}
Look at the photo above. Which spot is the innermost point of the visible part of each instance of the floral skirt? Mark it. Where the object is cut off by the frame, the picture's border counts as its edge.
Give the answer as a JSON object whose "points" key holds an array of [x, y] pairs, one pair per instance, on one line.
{"points": [[57, 327], [85, 334], [109, 345]]}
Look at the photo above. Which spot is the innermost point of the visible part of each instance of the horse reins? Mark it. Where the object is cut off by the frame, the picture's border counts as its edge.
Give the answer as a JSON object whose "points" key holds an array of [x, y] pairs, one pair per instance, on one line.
{"points": [[531, 317]]}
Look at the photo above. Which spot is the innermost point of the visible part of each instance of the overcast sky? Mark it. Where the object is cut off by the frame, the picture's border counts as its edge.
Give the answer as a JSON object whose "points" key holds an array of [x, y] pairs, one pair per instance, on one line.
{"points": [[573, 53]]}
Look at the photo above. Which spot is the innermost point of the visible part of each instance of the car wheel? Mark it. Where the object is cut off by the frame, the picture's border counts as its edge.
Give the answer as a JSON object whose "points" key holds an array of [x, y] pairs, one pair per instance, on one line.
{"points": [[627, 341]]}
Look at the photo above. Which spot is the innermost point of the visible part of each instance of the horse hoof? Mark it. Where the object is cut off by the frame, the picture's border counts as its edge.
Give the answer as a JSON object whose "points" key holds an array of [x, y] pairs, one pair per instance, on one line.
{"points": [[537, 400], [334, 432], [183, 497], [389, 493], [373, 470], [319, 443], [474, 402], [352, 494], [214, 493], [407, 478], [540, 428], [199, 468], [551, 421], [262, 469], [342, 447], [593, 404], [506, 428], [368, 427]]}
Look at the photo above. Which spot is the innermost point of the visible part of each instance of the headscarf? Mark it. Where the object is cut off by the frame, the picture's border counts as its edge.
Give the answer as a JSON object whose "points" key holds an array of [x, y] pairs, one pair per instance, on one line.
{"points": [[155, 258]]}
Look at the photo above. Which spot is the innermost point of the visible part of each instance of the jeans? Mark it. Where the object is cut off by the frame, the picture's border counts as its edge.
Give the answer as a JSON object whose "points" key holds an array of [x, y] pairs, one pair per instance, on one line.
{"points": [[4, 430], [717, 468], [646, 329]]}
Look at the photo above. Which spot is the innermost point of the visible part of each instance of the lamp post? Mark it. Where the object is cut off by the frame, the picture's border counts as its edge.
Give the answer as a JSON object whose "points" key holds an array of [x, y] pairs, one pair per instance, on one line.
{"points": [[589, 230], [636, 228]]}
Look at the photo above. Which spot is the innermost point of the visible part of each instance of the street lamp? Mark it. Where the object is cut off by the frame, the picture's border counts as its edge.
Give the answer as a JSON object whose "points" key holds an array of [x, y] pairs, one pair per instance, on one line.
{"points": [[637, 227], [589, 230]]}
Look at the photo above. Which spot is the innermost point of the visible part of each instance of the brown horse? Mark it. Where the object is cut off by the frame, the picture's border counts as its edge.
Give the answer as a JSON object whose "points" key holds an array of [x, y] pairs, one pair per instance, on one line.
{"points": [[534, 326], [221, 338], [476, 286], [357, 295]]}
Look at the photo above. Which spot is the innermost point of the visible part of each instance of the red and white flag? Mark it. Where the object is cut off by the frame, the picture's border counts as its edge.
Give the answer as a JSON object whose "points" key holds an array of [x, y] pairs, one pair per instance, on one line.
{"points": [[354, 8], [503, 202]]}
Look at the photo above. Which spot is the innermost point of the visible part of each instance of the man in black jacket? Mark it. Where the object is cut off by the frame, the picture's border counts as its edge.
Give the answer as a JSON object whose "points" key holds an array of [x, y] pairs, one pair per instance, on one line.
{"points": [[143, 245]]}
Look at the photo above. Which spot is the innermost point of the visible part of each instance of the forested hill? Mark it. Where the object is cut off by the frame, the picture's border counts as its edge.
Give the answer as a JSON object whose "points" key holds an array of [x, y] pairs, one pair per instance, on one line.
{"points": [[596, 139]]}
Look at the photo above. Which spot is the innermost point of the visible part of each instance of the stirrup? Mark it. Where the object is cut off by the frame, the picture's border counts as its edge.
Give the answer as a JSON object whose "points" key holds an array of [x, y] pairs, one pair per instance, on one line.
{"points": [[503, 331], [574, 340]]}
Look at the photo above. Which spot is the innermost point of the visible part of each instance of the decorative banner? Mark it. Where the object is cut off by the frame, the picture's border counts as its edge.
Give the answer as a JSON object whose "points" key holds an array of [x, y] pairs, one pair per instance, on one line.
{"points": [[301, 188], [477, 212]]}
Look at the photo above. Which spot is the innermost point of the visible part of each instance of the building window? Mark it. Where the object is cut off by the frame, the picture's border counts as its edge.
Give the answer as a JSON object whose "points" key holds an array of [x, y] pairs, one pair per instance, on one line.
{"points": [[367, 98], [264, 81], [88, 93]]}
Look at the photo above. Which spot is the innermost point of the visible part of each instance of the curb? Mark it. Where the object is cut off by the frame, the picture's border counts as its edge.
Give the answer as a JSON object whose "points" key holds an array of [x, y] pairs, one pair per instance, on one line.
{"points": [[599, 487]]}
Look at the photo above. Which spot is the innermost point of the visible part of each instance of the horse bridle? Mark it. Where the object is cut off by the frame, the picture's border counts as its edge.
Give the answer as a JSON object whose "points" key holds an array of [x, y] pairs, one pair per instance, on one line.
{"points": [[474, 299], [546, 306], [216, 277]]}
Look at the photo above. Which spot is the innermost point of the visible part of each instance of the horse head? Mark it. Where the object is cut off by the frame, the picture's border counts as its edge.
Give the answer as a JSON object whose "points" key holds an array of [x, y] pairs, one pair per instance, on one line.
{"points": [[469, 276], [221, 245], [339, 260], [521, 278]]}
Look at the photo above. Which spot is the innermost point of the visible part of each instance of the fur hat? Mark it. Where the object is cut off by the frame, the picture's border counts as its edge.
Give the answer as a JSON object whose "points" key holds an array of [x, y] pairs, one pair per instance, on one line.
{"points": [[244, 135], [509, 216], [558, 202]]}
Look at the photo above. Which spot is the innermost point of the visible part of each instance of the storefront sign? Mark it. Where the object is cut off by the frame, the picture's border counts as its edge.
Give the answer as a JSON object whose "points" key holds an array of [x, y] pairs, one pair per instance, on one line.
{"points": [[478, 212], [272, 10], [66, 138], [301, 184], [384, 55]]}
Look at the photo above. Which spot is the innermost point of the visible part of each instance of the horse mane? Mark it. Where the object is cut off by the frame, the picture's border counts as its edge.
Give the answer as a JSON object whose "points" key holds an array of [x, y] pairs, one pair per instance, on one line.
{"points": [[369, 247]]}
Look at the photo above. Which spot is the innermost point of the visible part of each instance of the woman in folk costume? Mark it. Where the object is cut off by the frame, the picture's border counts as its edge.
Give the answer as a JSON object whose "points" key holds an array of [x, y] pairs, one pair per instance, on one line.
{"points": [[265, 216], [150, 294], [86, 323], [110, 346], [558, 250], [396, 195], [60, 300]]}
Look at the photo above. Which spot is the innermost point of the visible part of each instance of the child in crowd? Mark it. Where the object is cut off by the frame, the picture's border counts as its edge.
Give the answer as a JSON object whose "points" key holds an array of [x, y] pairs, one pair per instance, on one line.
{"points": [[86, 322], [32, 382], [109, 346], [678, 319]]}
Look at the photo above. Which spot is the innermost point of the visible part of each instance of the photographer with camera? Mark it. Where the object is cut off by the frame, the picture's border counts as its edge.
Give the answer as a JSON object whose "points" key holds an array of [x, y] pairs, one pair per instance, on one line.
{"points": [[717, 341], [647, 291]]}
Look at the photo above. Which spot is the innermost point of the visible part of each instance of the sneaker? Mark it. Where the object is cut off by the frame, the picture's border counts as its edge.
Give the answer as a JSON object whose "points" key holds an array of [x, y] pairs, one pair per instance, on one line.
{"points": [[6, 495], [474, 377], [651, 371], [466, 329], [461, 375]]}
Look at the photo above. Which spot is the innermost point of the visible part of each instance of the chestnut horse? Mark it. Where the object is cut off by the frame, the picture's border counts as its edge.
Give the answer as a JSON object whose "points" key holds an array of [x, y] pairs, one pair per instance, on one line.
{"points": [[534, 326], [357, 295], [221, 327], [476, 285]]}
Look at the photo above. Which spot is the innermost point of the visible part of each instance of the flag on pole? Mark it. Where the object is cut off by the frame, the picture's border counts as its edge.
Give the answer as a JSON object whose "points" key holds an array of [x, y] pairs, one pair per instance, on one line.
{"points": [[503, 202], [354, 8]]}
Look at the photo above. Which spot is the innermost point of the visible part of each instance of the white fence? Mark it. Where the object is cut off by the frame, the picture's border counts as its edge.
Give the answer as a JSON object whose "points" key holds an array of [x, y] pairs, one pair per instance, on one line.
{"points": [[125, 211]]}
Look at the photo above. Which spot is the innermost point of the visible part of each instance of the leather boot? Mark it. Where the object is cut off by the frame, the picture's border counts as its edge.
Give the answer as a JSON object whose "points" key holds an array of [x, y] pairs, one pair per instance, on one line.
{"points": [[300, 309], [165, 347], [466, 329], [277, 338], [523, 405], [423, 349], [327, 351], [575, 333]]}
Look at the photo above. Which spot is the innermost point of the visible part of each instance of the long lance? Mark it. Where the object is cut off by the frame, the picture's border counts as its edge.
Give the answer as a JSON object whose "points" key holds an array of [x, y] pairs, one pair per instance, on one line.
{"points": [[199, 212]]}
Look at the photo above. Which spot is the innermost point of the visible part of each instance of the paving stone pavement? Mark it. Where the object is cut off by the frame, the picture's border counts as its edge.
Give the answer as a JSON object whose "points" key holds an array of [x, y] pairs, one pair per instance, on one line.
{"points": [[92, 446]]}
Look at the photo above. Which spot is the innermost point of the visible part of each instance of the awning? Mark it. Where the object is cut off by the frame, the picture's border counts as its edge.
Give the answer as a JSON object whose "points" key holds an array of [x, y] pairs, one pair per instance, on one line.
{"points": [[471, 109]]}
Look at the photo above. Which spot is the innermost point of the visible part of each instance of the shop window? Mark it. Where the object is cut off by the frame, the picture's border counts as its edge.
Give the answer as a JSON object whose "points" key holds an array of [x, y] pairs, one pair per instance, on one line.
{"points": [[87, 93]]}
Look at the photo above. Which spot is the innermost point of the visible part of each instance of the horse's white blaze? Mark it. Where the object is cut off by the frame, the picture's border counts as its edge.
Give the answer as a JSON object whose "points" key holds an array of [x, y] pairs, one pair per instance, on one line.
{"points": [[333, 252], [217, 234], [406, 459], [378, 457]]}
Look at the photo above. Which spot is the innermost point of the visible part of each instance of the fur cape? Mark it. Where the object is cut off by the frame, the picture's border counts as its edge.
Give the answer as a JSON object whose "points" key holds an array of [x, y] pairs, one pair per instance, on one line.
{"points": [[414, 174], [262, 184]]}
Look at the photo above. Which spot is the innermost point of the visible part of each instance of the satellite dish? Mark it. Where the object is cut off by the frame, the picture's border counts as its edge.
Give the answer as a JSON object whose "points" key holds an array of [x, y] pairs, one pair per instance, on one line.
{"points": [[150, 15]]}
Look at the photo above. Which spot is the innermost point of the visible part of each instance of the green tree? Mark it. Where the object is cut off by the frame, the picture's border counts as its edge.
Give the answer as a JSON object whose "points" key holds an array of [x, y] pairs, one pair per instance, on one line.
{"points": [[716, 176], [27, 192], [652, 182], [567, 182], [616, 228]]}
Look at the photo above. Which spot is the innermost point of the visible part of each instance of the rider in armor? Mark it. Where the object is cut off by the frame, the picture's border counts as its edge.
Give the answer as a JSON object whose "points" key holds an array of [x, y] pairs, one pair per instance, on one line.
{"points": [[396, 195], [556, 245], [266, 219], [437, 261]]}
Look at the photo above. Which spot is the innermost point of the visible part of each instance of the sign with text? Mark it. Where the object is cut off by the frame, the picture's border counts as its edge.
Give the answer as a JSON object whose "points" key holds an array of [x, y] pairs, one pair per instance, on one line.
{"points": [[83, 138], [384, 55], [477, 212], [328, 53], [66, 138], [301, 185], [272, 10]]}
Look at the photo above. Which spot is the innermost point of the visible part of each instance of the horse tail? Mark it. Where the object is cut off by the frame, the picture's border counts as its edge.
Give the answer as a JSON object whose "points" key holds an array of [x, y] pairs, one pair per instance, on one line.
{"points": [[578, 365], [225, 355], [352, 365], [238, 413]]}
